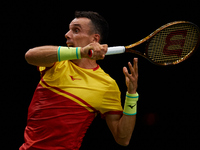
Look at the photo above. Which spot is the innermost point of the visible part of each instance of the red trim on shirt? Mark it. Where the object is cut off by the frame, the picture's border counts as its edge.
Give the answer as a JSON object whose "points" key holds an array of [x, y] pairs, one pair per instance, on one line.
{"points": [[74, 96], [94, 69], [97, 67]]}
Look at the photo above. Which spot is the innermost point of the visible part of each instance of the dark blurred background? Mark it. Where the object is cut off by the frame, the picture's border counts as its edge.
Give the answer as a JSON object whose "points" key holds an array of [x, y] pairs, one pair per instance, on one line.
{"points": [[168, 107]]}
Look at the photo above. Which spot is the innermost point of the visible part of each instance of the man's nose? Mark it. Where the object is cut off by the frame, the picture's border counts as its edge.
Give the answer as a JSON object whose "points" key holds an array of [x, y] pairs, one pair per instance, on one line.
{"points": [[68, 35]]}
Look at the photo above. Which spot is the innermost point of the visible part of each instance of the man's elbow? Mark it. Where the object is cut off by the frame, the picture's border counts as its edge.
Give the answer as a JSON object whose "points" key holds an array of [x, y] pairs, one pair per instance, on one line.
{"points": [[28, 56]]}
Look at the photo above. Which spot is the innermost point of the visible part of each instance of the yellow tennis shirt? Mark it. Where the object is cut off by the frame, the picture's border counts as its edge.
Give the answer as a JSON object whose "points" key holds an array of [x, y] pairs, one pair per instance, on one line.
{"points": [[65, 103]]}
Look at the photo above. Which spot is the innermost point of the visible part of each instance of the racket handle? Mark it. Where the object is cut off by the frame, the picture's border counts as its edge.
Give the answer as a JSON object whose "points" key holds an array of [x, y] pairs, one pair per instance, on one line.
{"points": [[111, 50], [115, 50]]}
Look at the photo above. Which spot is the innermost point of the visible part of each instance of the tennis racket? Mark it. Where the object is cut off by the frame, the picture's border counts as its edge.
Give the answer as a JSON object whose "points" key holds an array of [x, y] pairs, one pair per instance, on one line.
{"points": [[168, 45]]}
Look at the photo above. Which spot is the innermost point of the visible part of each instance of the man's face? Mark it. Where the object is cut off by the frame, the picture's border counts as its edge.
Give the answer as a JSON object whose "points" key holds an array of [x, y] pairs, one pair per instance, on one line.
{"points": [[80, 33]]}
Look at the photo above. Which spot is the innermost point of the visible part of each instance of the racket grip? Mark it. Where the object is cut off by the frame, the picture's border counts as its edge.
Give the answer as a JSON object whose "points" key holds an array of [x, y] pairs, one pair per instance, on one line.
{"points": [[111, 50], [115, 50]]}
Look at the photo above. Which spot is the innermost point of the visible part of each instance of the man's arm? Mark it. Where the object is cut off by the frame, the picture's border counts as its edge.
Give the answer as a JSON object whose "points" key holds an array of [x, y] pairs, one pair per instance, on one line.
{"points": [[47, 55], [42, 56], [122, 126]]}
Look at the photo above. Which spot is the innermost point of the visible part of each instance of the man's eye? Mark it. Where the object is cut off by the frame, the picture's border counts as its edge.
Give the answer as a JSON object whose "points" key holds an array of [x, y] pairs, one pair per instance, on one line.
{"points": [[76, 30]]}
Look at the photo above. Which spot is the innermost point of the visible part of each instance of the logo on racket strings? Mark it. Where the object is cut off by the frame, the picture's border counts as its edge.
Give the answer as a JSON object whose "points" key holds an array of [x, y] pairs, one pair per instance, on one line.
{"points": [[174, 44]]}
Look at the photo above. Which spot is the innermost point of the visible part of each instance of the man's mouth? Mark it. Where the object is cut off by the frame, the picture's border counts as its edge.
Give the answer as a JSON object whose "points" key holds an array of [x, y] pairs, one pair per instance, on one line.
{"points": [[70, 44]]}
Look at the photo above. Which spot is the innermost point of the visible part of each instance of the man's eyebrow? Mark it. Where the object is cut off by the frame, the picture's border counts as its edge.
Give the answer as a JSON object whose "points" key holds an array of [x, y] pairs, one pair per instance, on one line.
{"points": [[78, 25]]}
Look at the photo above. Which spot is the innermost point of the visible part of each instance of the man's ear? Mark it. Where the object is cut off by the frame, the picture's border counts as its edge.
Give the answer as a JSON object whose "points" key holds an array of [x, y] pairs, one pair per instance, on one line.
{"points": [[96, 38]]}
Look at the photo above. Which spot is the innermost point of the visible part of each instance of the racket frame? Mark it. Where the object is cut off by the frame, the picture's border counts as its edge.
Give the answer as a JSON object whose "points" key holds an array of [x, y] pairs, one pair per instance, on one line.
{"points": [[145, 54]]}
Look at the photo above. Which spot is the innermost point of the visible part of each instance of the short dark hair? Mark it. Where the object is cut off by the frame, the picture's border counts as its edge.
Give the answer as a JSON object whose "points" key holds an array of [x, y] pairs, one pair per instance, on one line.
{"points": [[100, 24]]}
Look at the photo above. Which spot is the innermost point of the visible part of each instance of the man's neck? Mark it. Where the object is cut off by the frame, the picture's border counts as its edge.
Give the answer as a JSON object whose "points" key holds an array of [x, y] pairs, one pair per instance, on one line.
{"points": [[85, 63]]}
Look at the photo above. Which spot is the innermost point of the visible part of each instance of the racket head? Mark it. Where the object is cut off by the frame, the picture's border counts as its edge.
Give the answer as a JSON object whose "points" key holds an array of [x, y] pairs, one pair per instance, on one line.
{"points": [[171, 43]]}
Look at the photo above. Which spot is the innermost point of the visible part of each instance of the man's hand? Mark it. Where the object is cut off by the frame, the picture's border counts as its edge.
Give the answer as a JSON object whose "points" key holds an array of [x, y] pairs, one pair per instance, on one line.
{"points": [[99, 51], [131, 79]]}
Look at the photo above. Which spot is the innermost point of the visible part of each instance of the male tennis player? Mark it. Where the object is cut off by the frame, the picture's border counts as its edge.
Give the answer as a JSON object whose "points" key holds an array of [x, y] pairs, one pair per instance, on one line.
{"points": [[73, 88]]}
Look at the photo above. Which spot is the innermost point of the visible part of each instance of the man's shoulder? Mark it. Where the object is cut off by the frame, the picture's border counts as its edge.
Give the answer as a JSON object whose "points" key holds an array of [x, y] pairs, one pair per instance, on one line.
{"points": [[109, 79]]}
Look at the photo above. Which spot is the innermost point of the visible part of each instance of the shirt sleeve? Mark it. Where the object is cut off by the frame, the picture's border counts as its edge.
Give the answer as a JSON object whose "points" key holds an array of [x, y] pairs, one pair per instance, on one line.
{"points": [[111, 103], [43, 70], [54, 68]]}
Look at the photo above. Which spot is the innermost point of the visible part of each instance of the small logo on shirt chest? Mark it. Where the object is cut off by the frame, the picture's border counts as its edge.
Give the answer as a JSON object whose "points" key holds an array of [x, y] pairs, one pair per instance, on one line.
{"points": [[74, 78]]}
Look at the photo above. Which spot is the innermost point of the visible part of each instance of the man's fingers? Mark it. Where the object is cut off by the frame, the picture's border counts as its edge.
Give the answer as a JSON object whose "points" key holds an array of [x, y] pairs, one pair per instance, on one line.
{"points": [[131, 79], [105, 48], [99, 51], [125, 71], [134, 68], [131, 68], [135, 61]]}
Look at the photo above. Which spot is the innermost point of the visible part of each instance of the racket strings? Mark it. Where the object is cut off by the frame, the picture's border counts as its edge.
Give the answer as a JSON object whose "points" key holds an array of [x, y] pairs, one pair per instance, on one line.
{"points": [[173, 44]]}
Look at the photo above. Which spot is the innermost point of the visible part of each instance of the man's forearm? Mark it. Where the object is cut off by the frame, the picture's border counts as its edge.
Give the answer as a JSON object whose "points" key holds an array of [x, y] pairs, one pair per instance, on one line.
{"points": [[121, 127], [42, 56], [125, 129]]}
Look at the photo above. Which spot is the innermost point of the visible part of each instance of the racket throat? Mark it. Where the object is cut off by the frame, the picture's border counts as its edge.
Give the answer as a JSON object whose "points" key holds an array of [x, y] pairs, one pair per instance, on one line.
{"points": [[136, 52]]}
